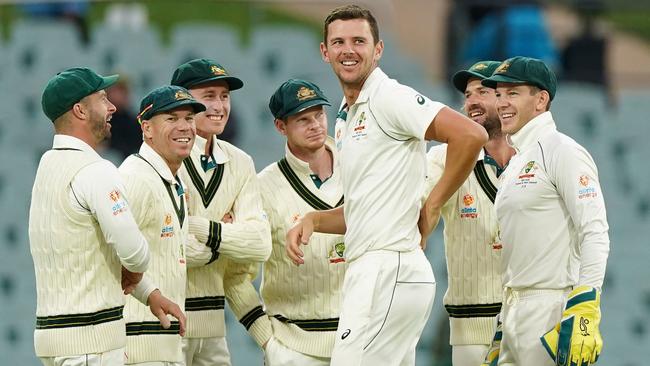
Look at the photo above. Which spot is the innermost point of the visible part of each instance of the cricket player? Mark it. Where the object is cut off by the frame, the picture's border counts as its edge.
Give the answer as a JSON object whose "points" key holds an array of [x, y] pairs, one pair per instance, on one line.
{"points": [[83, 237], [157, 196], [380, 134], [304, 312], [221, 183], [553, 226], [472, 245]]}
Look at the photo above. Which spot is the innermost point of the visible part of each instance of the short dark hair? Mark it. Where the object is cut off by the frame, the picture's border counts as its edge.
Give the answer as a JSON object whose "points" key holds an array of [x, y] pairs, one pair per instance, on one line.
{"points": [[348, 12]]}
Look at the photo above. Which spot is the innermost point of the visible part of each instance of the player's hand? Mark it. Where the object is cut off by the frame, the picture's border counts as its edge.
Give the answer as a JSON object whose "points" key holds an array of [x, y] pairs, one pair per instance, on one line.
{"points": [[429, 217], [161, 306], [227, 218], [130, 280], [576, 339], [298, 235]]}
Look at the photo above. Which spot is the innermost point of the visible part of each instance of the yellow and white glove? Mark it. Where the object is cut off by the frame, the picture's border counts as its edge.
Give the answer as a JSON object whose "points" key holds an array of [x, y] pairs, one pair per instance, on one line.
{"points": [[576, 339], [492, 357]]}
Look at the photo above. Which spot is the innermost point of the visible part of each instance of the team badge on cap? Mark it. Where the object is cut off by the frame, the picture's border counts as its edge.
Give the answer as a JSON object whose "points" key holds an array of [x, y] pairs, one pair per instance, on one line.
{"points": [[305, 93], [502, 68], [479, 67], [180, 95], [217, 70]]}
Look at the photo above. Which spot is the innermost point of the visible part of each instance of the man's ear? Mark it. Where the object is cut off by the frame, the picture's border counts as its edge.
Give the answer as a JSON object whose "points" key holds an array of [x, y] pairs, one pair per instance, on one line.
{"points": [[80, 111], [281, 126], [146, 126]]}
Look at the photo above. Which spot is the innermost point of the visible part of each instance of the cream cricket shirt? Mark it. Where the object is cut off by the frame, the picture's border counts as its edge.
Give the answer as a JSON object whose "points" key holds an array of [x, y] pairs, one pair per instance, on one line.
{"points": [[304, 310], [551, 212], [158, 202], [473, 251], [81, 231], [224, 182], [382, 153]]}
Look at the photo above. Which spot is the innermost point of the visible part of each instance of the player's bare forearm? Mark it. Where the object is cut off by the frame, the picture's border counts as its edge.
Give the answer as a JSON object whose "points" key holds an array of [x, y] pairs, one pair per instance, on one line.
{"points": [[464, 139], [329, 221]]}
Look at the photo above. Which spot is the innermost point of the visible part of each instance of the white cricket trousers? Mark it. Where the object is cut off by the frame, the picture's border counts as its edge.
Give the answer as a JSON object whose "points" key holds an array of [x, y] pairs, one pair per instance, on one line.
{"points": [[206, 351], [527, 315], [109, 358], [468, 354], [277, 354], [387, 298]]}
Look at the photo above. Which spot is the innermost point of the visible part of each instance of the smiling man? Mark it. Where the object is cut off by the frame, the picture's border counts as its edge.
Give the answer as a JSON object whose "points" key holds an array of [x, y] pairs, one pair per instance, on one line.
{"points": [[158, 200], [226, 214], [472, 244], [381, 134], [553, 225]]}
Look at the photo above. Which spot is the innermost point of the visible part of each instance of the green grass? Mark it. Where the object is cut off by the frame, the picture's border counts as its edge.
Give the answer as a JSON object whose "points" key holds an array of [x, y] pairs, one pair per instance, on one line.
{"points": [[165, 14]]}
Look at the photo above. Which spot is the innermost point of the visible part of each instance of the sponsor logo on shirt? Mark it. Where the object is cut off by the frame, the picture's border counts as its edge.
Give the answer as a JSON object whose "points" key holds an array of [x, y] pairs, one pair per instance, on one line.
{"points": [[119, 204], [527, 174], [469, 211], [168, 228], [586, 189], [181, 258], [359, 130], [336, 254]]}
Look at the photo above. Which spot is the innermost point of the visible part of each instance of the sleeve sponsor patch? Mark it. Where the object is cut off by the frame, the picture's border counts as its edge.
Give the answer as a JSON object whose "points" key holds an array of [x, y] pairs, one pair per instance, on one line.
{"points": [[586, 188], [118, 204]]}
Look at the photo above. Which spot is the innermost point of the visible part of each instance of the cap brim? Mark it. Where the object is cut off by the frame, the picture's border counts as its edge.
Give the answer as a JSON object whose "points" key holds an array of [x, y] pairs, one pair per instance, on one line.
{"points": [[233, 82], [306, 105], [461, 78], [492, 81], [108, 81]]}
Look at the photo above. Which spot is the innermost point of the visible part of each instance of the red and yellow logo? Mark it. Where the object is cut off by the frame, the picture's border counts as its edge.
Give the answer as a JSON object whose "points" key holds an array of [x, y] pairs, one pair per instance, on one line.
{"points": [[584, 180], [114, 195], [468, 199]]}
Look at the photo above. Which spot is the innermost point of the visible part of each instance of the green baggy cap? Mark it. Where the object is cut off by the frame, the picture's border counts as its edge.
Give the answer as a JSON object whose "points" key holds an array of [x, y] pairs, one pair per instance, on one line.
{"points": [[69, 87], [480, 70], [201, 71], [167, 98], [294, 96], [524, 70]]}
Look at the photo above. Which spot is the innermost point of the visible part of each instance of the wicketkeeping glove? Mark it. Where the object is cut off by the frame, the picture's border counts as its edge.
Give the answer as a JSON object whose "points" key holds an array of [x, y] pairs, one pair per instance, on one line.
{"points": [[576, 339], [492, 357]]}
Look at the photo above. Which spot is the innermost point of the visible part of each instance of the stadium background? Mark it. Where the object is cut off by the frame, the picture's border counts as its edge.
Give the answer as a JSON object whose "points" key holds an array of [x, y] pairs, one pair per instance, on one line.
{"points": [[602, 102]]}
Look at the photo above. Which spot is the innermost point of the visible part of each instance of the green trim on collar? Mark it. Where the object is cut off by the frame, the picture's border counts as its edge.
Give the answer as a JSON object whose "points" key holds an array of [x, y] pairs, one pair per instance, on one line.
{"points": [[303, 191], [208, 192], [484, 181]]}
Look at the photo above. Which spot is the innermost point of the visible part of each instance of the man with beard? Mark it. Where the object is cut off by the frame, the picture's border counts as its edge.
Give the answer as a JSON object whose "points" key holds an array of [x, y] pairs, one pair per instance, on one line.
{"points": [[83, 236], [381, 134], [472, 244], [226, 214], [160, 209]]}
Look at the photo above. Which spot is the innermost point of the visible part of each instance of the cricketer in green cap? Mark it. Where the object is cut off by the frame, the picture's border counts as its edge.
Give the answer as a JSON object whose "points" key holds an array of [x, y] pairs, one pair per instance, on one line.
{"points": [[480, 70], [69, 87], [294, 96], [167, 120], [201, 71], [524, 70]]}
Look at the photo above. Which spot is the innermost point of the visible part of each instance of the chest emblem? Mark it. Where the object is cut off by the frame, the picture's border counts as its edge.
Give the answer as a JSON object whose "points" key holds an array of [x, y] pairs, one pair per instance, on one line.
{"points": [[168, 227], [527, 174], [469, 210], [359, 131]]}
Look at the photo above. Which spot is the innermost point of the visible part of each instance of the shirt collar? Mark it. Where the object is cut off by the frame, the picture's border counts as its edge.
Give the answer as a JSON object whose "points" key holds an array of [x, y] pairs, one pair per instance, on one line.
{"points": [[67, 141], [219, 155], [532, 131], [372, 82], [301, 166], [157, 162]]}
